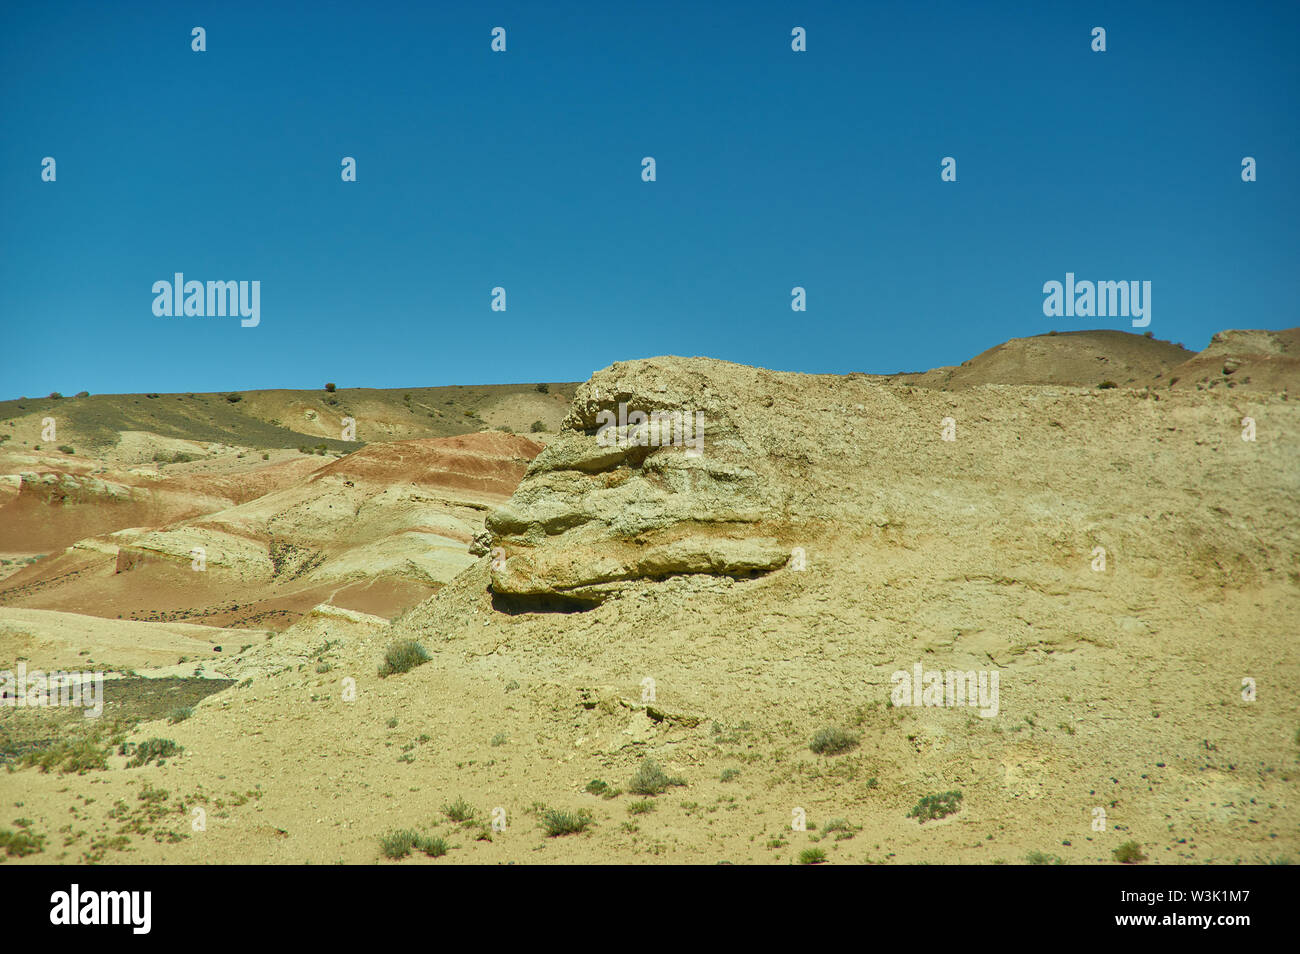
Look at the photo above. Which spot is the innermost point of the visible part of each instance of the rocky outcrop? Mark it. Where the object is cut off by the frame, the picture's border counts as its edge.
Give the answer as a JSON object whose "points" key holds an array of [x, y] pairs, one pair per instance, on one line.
{"points": [[653, 475], [1250, 359], [61, 488]]}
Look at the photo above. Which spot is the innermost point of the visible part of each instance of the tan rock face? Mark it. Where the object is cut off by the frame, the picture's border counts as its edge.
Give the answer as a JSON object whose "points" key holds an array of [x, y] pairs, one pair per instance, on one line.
{"points": [[609, 502], [1252, 359]]}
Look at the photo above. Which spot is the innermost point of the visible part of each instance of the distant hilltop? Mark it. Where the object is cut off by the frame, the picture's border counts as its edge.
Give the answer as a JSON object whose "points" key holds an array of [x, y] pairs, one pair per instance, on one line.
{"points": [[1257, 360]]}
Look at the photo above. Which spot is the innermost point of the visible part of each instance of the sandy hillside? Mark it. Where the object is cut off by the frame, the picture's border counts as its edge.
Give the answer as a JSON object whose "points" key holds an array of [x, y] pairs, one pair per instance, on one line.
{"points": [[74, 642], [1251, 360], [133, 429], [716, 614], [1081, 358]]}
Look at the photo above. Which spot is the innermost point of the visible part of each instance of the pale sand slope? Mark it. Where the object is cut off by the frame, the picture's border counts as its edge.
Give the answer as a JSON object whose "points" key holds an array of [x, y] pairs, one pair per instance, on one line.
{"points": [[50, 640], [1119, 690]]}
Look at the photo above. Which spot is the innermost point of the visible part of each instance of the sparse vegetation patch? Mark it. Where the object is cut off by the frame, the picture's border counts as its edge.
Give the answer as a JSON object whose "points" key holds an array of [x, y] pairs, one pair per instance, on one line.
{"points": [[403, 656], [153, 750], [1129, 853], [651, 779], [936, 806], [557, 822], [833, 741]]}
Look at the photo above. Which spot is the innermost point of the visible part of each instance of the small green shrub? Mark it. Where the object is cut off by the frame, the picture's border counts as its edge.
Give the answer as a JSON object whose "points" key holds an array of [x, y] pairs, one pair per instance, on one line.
{"points": [[18, 844], [1106, 385], [180, 714], [544, 388], [433, 847], [643, 807], [597, 787], [155, 796], [841, 828], [403, 656], [537, 427], [234, 398], [1129, 853], [1042, 858], [833, 741], [651, 779], [330, 387], [398, 843], [729, 775], [151, 750], [66, 449], [936, 806], [557, 822], [812, 856], [460, 811]]}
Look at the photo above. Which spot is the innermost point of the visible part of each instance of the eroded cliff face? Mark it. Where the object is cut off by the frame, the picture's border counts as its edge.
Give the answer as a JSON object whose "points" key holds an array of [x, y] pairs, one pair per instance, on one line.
{"points": [[654, 475], [1023, 476]]}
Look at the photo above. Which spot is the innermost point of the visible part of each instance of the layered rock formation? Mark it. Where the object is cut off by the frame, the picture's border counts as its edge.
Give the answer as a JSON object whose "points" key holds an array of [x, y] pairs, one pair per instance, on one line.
{"points": [[375, 531], [609, 503]]}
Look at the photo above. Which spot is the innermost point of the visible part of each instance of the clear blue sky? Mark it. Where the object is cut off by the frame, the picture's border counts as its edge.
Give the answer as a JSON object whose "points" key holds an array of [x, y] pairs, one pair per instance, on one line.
{"points": [[522, 169]]}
